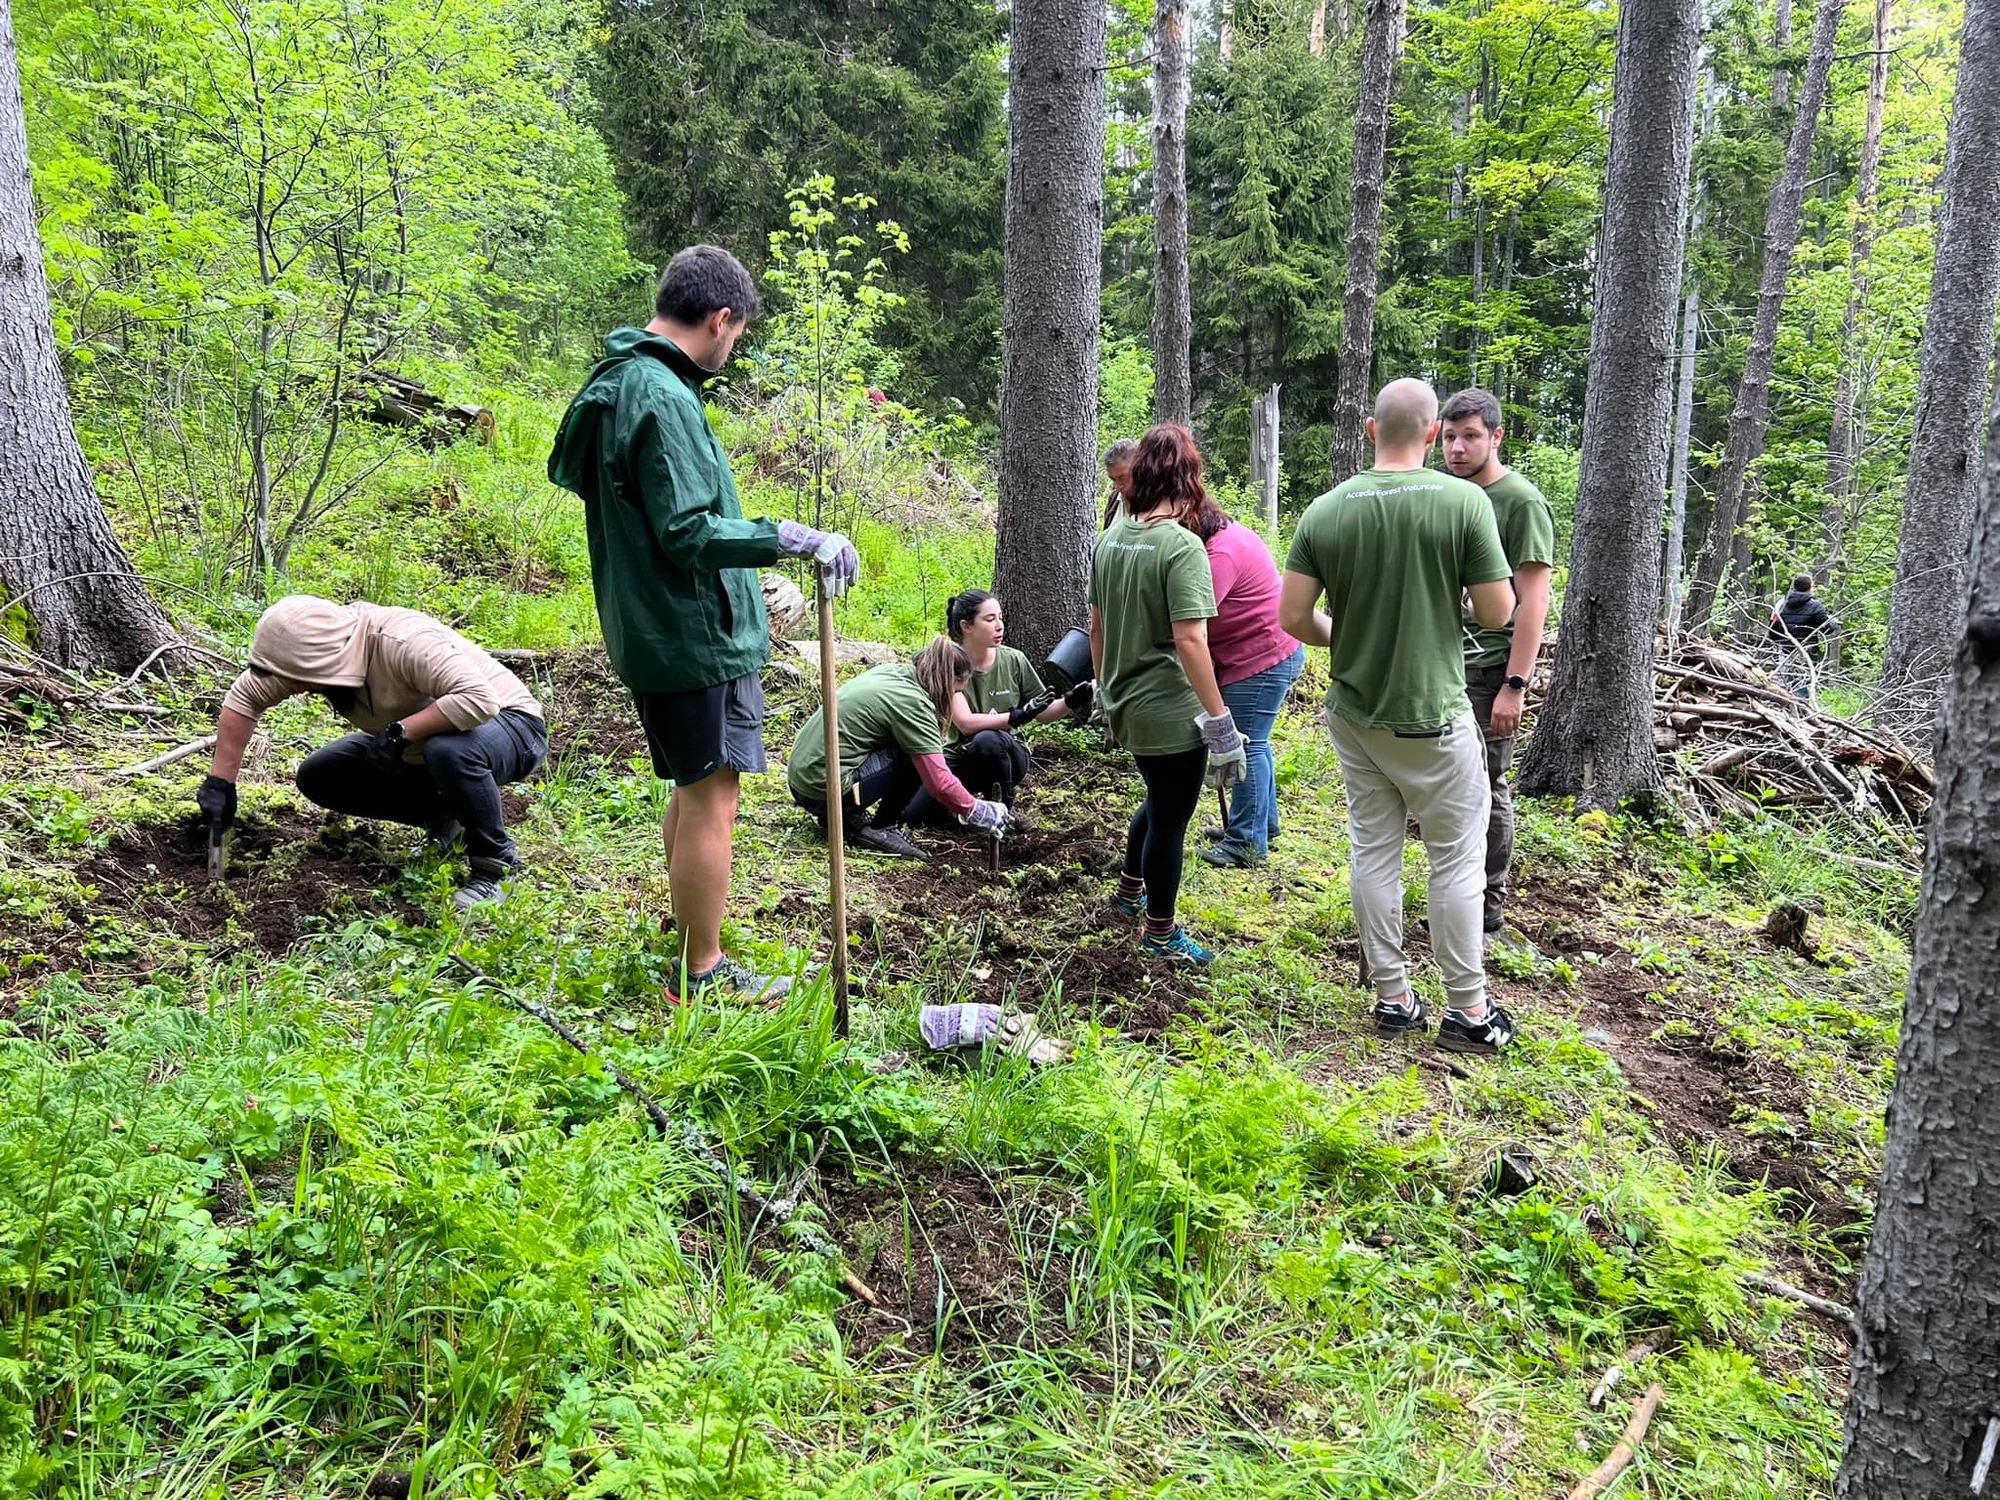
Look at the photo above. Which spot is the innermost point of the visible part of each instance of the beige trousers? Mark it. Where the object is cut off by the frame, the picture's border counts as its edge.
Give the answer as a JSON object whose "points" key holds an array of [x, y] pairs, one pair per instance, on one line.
{"points": [[1441, 782]]}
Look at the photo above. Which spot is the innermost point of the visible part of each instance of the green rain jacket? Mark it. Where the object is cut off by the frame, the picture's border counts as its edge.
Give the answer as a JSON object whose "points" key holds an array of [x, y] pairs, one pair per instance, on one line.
{"points": [[672, 561]]}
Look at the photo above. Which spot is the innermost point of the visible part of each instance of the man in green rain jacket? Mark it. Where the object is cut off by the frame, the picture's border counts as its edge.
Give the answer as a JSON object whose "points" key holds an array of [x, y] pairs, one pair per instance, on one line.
{"points": [[674, 566]]}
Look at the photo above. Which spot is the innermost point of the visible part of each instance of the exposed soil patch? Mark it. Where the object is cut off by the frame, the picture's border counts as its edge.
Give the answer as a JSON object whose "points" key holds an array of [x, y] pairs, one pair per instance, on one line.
{"points": [[589, 710], [959, 1262], [280, 876]]}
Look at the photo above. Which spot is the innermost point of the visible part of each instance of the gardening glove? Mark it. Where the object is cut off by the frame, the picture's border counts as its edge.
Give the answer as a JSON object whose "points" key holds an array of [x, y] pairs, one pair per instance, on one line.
{"points": [[1030, 711], [839, 563], [385, 750], [1021, 1036], [967, 1025], [988, 817], [1227, 763], [1079, 699], [217, 801]]}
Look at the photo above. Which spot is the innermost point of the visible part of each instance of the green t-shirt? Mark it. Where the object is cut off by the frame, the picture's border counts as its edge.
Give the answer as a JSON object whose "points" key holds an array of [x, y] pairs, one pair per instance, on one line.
{"points": [[1528, 533], [1143, 578], [885, 707], [1003, 687], [1395, 550]]}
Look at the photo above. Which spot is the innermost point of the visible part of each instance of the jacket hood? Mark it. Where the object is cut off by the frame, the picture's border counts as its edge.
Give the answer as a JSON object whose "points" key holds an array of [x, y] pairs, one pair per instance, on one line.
{"points": [[573, 457], [313, 641]]}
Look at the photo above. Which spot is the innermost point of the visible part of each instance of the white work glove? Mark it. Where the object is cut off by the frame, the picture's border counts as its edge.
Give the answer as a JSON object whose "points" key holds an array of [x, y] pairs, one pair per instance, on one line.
{"points": [[839, 563], [988, 817], [1227, 762], [967, 1025]]}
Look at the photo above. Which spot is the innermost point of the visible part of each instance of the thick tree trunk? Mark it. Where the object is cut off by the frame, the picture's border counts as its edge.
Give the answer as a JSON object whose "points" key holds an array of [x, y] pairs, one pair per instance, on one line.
{"points": [[1843, 442], [1173, 322], [1594, 737], [1951, 389], [1750, 420], [1048, 401], [1921, 1396], [58, 554], [1381, 44]]}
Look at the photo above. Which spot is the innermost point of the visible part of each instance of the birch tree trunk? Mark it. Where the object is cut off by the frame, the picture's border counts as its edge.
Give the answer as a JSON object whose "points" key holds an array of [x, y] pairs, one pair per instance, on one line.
{"points": [[1750, 419], [1173, 321], [1843, 442], [1781, 38], [1049, 318], [1594, 738], [1921, 1399], [1381, 44], [59, 557], [1951, 390], [1677, 469]]}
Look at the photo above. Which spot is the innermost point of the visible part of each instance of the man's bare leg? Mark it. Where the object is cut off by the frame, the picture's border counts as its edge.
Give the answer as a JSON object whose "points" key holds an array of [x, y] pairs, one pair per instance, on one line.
{"points": [[701, 822]]}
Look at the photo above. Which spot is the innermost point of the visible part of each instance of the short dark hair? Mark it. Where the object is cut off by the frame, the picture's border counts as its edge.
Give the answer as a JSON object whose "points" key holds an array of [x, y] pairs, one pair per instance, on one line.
{"points": [[1802, 583], [1472, 402], [701, 279]]}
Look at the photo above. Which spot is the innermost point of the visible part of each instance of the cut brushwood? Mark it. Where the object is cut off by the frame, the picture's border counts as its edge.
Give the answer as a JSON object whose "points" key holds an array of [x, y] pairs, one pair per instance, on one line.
{"points": [[1601, 1478]]}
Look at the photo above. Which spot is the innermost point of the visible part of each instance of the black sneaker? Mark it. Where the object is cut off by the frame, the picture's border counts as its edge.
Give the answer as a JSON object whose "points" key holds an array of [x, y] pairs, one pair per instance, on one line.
{"points": [[891, 841], [1485, 1036], [1496, 919], [1396, 1020]]}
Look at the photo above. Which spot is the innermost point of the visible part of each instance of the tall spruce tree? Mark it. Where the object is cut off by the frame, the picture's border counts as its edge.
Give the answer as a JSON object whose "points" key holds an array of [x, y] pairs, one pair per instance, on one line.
{"points": [[1173, 326]]}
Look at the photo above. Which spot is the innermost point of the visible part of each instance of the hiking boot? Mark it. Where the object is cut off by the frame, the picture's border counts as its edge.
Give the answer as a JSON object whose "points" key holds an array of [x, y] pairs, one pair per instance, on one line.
{"points": [[1176, 948], [890, 841], [1495, 918], [1228, 856], [1398, 1020], [729, 980], [487, 884], [1484, 1036]]}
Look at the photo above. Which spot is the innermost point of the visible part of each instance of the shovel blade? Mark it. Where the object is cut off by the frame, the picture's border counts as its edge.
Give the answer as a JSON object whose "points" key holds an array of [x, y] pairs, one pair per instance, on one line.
{"points": [[215, 858]]}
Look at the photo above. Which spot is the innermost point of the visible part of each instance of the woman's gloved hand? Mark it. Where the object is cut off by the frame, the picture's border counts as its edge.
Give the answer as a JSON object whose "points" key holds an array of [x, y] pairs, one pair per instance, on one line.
{"points": [[839, 563], [1030, 711], [1227, 761], [217, 800], [988, 817], [1079, 699]]}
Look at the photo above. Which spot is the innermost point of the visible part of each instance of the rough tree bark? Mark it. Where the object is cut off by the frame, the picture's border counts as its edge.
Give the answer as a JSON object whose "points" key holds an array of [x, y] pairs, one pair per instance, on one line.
{"points": [[1749, 420], [1049, 319], [1921, 1394], [1843, 442], [1951, 389], [58, 554], [1173, 321], [1677, 472], [1594, 737], [1781, 39], [1381, 44]]}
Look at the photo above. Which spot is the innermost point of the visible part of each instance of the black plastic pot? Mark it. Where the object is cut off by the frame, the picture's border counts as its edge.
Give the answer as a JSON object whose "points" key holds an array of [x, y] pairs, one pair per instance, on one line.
{"points": [[1070, 662]]}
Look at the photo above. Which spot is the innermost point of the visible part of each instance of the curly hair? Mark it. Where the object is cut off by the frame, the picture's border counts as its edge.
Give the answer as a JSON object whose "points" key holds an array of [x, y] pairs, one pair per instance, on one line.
{"points": [[942, 668], [1167, 471]]}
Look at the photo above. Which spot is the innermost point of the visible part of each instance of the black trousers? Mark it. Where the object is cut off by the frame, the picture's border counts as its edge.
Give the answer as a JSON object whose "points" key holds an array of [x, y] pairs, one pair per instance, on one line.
{"points": [[1155, 842], [460, 778], [883, 794], [991, 757]]}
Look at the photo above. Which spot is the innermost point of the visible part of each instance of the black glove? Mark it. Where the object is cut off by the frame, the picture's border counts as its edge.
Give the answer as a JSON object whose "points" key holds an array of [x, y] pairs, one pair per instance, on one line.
{"points": [[1033, 709], [385, 751], [1079, 699], [217, 801]]}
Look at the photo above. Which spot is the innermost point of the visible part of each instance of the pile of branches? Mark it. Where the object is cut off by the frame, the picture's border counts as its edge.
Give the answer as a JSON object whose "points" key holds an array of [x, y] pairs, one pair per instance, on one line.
{"points": [[1743, 743]]}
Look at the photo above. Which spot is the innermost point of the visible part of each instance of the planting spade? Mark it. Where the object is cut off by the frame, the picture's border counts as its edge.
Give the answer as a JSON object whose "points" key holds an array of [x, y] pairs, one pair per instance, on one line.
{"points": [[216, 833]]}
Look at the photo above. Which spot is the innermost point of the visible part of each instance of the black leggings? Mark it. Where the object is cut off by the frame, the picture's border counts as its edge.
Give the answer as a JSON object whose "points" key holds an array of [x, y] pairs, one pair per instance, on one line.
{"points": [[882, 792], [1158, 835], [991, 757]]}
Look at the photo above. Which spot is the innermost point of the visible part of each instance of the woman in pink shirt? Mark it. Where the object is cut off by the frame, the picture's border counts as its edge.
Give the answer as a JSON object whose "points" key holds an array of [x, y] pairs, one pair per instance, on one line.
{"points": [[1256, 664]]}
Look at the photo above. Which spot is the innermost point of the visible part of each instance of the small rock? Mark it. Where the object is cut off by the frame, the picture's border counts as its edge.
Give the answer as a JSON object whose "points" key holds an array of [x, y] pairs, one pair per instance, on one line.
{"points": [[1598, 1037], [1513, 1171]]}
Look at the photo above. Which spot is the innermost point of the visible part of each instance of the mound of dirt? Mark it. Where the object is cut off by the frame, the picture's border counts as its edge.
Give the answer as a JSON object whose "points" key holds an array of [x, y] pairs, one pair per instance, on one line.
{"points": [[959, 1262], [280, 876]]}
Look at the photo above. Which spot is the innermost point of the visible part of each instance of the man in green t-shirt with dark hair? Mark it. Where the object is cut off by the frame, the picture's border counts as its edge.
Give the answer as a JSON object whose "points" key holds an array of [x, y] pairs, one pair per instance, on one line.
{"points": [[1499, 663], [1394, 550]]}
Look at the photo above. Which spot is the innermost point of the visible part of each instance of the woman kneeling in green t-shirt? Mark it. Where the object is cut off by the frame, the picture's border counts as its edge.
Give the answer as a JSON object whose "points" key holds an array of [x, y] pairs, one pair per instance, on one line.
{"points": [[1151, 598], [892, 722]]}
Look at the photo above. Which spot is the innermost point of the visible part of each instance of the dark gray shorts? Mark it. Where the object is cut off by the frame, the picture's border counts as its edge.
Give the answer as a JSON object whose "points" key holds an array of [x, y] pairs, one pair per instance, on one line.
{"points": [[693, 735]]}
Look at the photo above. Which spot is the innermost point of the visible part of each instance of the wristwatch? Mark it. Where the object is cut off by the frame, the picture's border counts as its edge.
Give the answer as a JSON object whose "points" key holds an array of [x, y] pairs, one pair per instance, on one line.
{"points": [[396, 735], [1517, 682]]}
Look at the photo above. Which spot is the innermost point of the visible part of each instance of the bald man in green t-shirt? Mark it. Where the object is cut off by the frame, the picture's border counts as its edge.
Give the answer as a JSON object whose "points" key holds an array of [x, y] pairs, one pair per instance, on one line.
{"points": [[1394, 551]]}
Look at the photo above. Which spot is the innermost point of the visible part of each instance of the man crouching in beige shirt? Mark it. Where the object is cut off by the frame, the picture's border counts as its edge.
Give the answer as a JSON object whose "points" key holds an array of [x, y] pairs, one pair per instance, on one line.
{"points": [[441, 726]]}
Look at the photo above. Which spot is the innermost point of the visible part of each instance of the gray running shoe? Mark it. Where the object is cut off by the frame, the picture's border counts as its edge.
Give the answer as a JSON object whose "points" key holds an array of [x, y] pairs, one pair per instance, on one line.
{"points": [[730, 979]]}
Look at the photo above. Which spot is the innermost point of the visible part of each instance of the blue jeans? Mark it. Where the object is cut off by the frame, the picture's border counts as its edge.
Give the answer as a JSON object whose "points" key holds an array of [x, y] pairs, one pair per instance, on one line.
{"points": [[1254, 703]]}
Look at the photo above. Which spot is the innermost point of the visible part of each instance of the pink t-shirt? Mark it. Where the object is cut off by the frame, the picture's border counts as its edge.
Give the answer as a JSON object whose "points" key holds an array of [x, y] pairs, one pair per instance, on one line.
{"points": [[1244, 638]]}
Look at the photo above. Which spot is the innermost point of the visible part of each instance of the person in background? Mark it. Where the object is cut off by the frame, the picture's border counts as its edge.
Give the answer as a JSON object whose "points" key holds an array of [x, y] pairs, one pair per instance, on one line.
{"points": [[1004, 694], [892, 722], [1499, 663], [440, 727], [1256, 664], [1798, 629], [1393, 550], [1118, 467], [1150, 604], [673, 563]]}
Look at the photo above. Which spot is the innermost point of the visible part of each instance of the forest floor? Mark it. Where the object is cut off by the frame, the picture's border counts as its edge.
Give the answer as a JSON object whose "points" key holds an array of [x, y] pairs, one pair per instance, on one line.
{"points": [[290, 1205]]}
